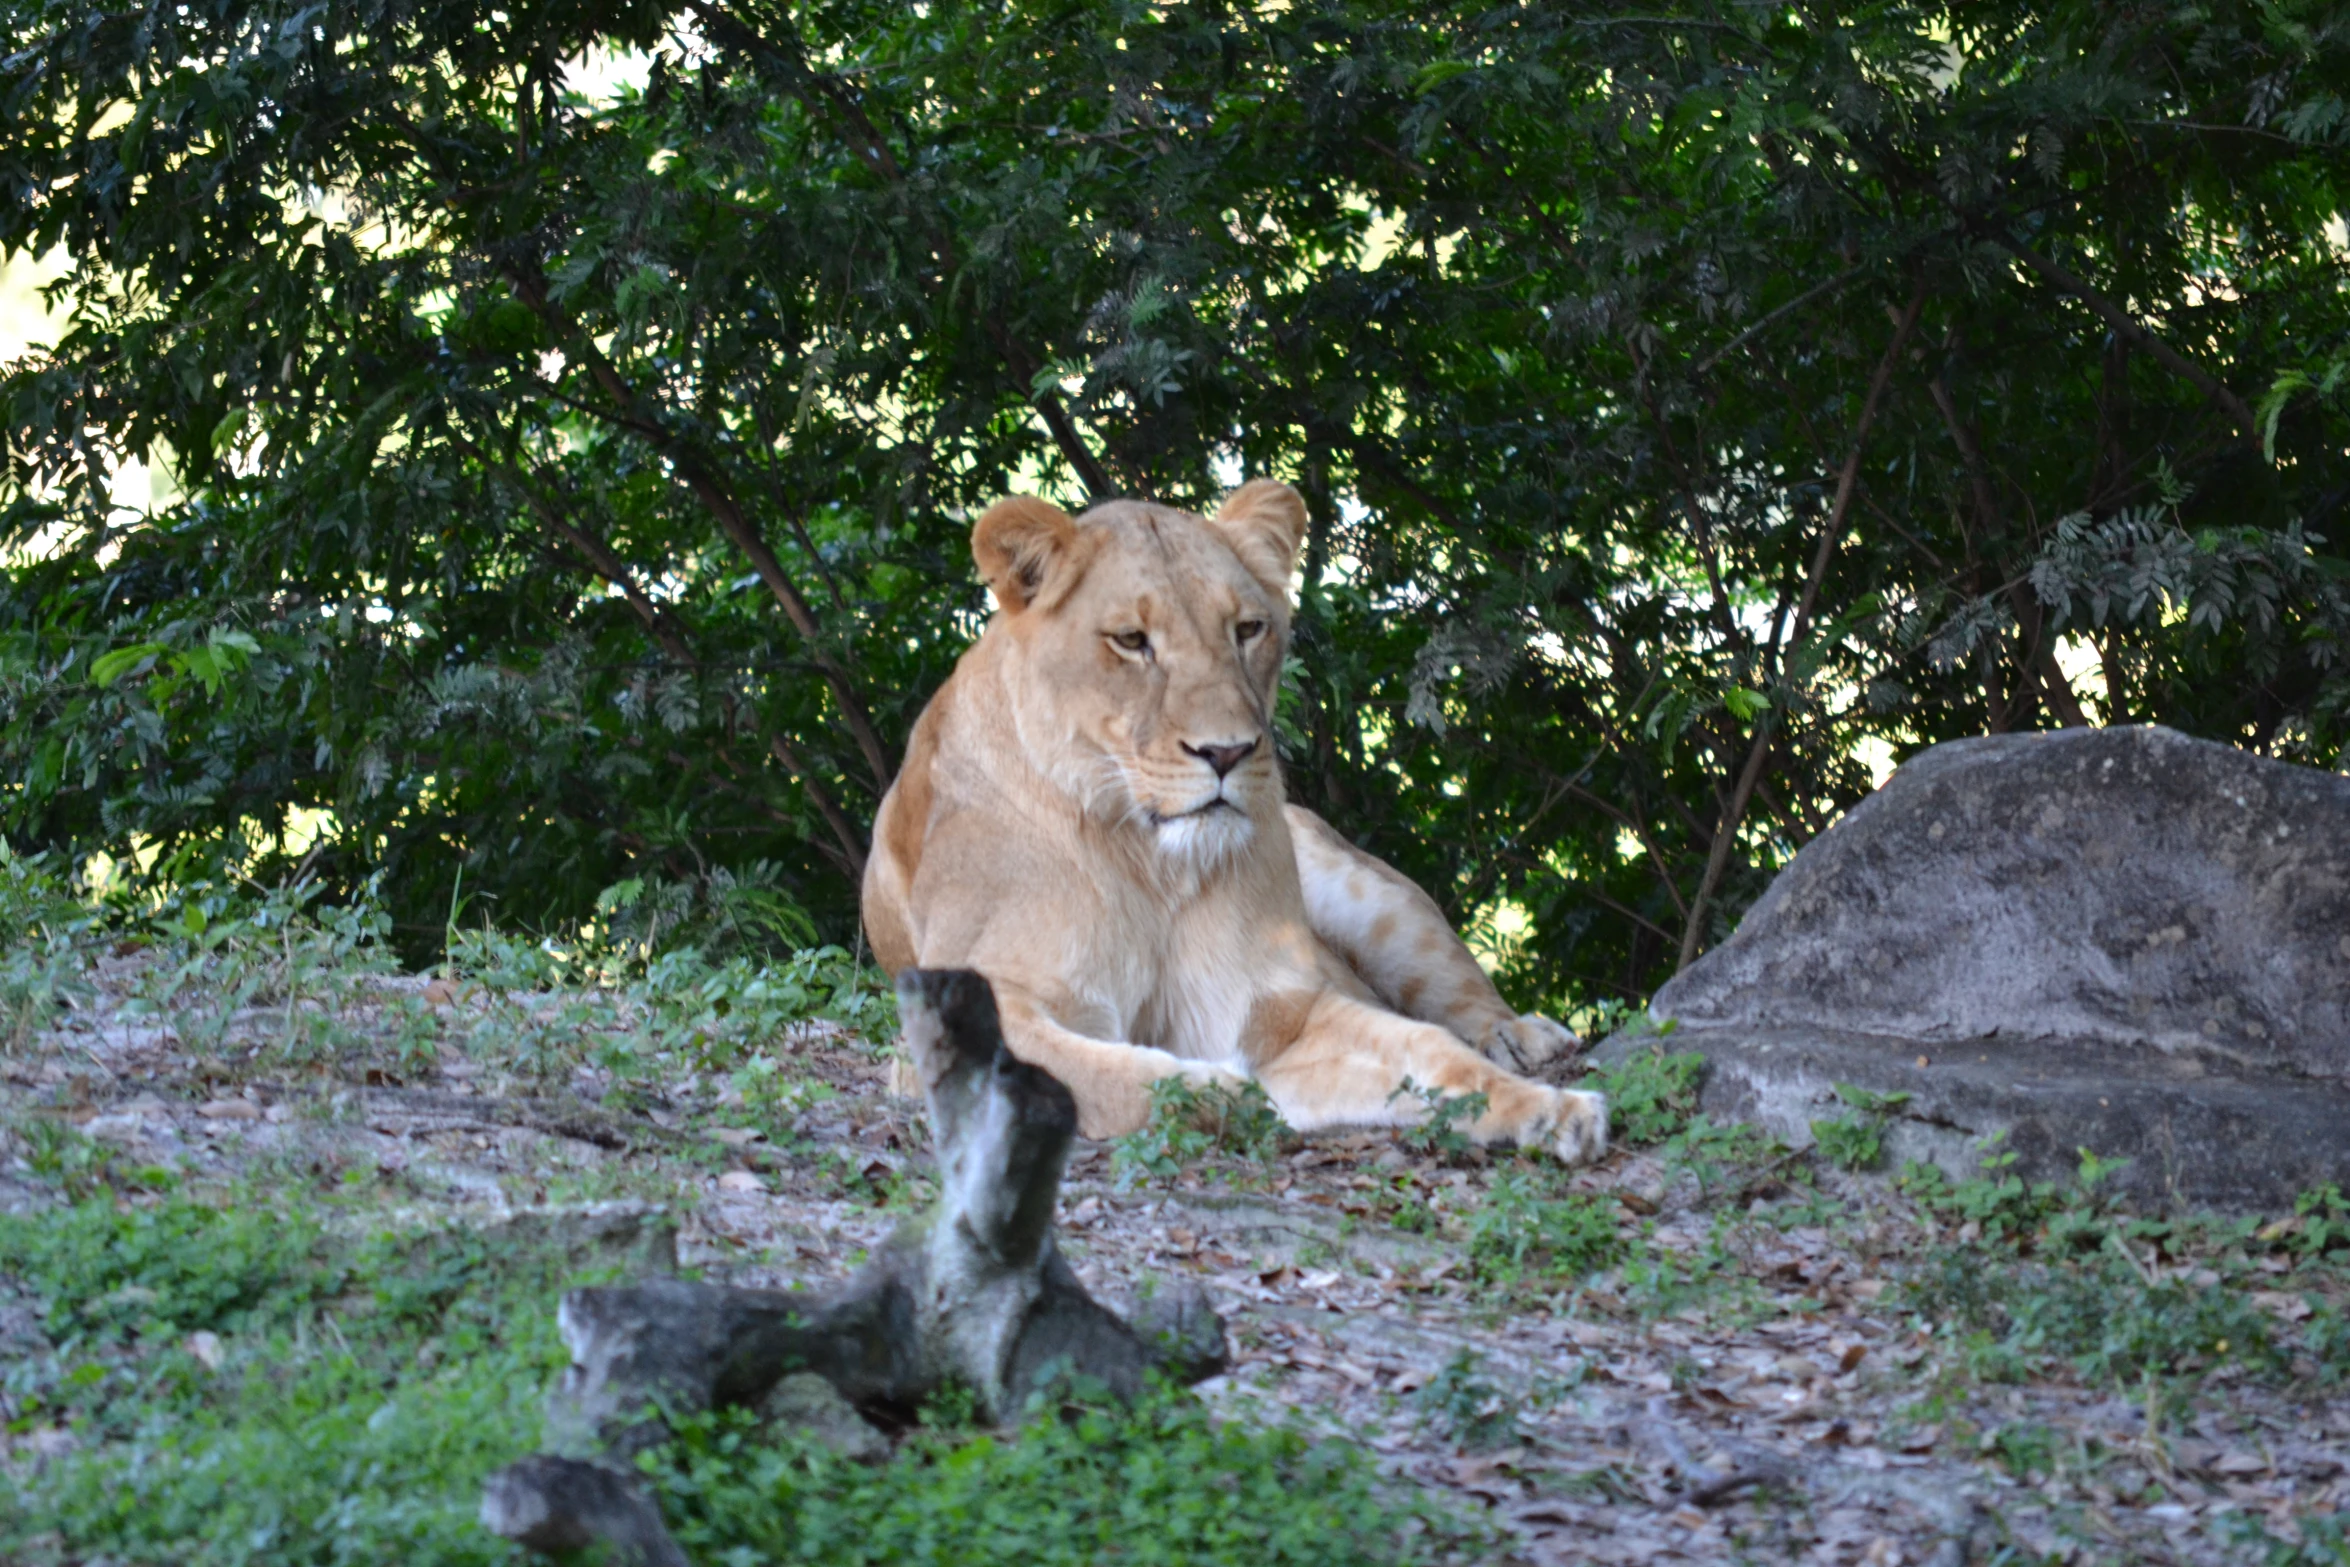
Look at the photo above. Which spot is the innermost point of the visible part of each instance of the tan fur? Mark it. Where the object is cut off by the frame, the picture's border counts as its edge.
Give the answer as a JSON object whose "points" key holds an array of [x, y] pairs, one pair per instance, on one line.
{"points": [[1061, 826]]}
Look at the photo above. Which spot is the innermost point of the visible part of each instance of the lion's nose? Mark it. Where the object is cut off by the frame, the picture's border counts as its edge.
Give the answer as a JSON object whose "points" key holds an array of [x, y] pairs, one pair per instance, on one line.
{"points": [[1223, 758]]}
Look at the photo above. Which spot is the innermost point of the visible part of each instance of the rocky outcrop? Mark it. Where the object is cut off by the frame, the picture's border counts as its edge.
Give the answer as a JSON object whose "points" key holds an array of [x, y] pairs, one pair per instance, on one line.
{"points": [[2120, 939]]}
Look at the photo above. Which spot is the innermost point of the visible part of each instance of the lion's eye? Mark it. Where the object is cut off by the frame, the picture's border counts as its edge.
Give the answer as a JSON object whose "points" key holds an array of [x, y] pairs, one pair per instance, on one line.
{"points": [[1131, 641], [1249, 630]]}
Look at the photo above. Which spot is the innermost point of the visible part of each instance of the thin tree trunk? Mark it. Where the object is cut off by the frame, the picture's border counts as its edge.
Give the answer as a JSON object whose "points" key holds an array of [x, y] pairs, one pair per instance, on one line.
{"points": [[716, 498], [2038, 662], [1717, 859]]}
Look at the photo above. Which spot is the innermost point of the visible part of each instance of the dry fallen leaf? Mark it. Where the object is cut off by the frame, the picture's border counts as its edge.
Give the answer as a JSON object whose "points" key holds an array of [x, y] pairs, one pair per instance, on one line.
{"points": [[740, 1181]]}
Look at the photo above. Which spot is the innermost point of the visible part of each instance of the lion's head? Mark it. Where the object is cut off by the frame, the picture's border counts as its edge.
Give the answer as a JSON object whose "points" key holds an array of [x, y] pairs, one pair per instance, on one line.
{"points": [[1144, 645]]}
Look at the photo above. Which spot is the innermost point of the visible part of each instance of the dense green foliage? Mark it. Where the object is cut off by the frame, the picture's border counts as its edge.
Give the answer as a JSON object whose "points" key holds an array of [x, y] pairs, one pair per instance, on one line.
{"points": [[1691, 399], [247, 1383]]}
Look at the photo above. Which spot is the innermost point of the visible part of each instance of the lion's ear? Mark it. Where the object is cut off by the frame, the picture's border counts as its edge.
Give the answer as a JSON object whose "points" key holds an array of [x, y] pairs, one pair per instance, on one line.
{"points": [[1263, 521], [1016, 544]]}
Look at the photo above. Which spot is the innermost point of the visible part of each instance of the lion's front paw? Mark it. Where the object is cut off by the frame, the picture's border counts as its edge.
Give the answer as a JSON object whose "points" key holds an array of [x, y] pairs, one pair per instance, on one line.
{"points": [[1199, 1074], [1528, 1041], [1578, 1128]]}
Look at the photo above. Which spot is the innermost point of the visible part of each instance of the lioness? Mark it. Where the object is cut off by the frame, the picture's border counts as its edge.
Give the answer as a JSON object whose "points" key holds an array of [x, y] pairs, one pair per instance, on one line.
{"points": [[1090, 815]]}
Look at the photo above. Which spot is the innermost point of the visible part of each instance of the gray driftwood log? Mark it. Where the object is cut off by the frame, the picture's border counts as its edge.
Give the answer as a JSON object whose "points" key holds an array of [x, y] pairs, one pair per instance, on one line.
{"points": [[975, 1292]]}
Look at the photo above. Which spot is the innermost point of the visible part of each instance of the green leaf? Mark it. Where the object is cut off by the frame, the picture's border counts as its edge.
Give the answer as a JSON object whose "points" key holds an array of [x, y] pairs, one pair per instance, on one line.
{"points": [[1436, 73], [226, 433], [107, 668]]}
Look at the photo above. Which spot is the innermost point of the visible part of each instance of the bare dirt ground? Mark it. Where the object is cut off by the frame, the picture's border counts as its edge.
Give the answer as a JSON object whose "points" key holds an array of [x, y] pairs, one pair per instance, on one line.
{"points": [[1754, 1380]]}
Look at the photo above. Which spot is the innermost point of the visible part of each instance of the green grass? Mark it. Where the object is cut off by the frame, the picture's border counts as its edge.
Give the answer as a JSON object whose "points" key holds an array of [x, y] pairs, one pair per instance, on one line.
{"points": [[1159, 1483], [358, 1392], [252, 1378]]}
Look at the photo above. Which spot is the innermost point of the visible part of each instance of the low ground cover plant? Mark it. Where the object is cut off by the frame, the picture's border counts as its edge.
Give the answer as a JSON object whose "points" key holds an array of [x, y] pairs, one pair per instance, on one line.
{"points": [[1651, 1094], [243, 1378], [2041, 1278], [1191, 1127], [1161, 1482], [255, 1377]]}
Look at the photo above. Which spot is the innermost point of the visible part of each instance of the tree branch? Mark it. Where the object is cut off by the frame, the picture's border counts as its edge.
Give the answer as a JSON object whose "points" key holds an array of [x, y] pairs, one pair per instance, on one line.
{"points": [[1717, 859], [1841, 510], [1771, 319], [866, 140], [606, 563], [2129, 328], [718, 499]]}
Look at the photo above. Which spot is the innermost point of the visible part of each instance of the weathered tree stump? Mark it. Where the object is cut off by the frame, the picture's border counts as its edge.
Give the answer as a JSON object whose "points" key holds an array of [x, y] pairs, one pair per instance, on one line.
{"points": [[974, 1292]]}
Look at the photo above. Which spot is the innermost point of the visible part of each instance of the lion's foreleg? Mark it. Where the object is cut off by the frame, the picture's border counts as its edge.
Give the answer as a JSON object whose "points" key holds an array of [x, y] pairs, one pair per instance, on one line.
{"points": [[1111, 1080], [1349, 1062]]}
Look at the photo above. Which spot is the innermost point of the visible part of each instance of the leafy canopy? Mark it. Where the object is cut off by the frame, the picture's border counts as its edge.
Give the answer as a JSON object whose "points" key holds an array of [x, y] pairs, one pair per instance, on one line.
{"points": [[573, 414]]}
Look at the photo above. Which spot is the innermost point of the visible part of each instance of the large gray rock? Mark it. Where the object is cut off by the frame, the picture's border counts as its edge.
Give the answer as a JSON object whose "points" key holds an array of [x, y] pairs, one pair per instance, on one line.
{"points": [[2119, 939]]}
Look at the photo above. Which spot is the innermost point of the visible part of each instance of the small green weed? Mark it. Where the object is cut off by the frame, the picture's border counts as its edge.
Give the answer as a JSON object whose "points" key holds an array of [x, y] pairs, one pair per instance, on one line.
{"points": [[1656, 1281], [2026, 1449], [1442, 1131], [1191, 1124], [1856, 1140], [2312, 1540], [1520, 1234], [1650, 1095], [2320, 1223], [1722, 1159], [1999, 1202], [1461, 1403], [2326, 1336]]}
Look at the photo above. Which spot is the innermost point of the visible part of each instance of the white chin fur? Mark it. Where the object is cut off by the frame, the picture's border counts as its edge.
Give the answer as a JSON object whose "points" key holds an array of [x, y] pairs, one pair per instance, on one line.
{"points": [[1206, 839]]}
